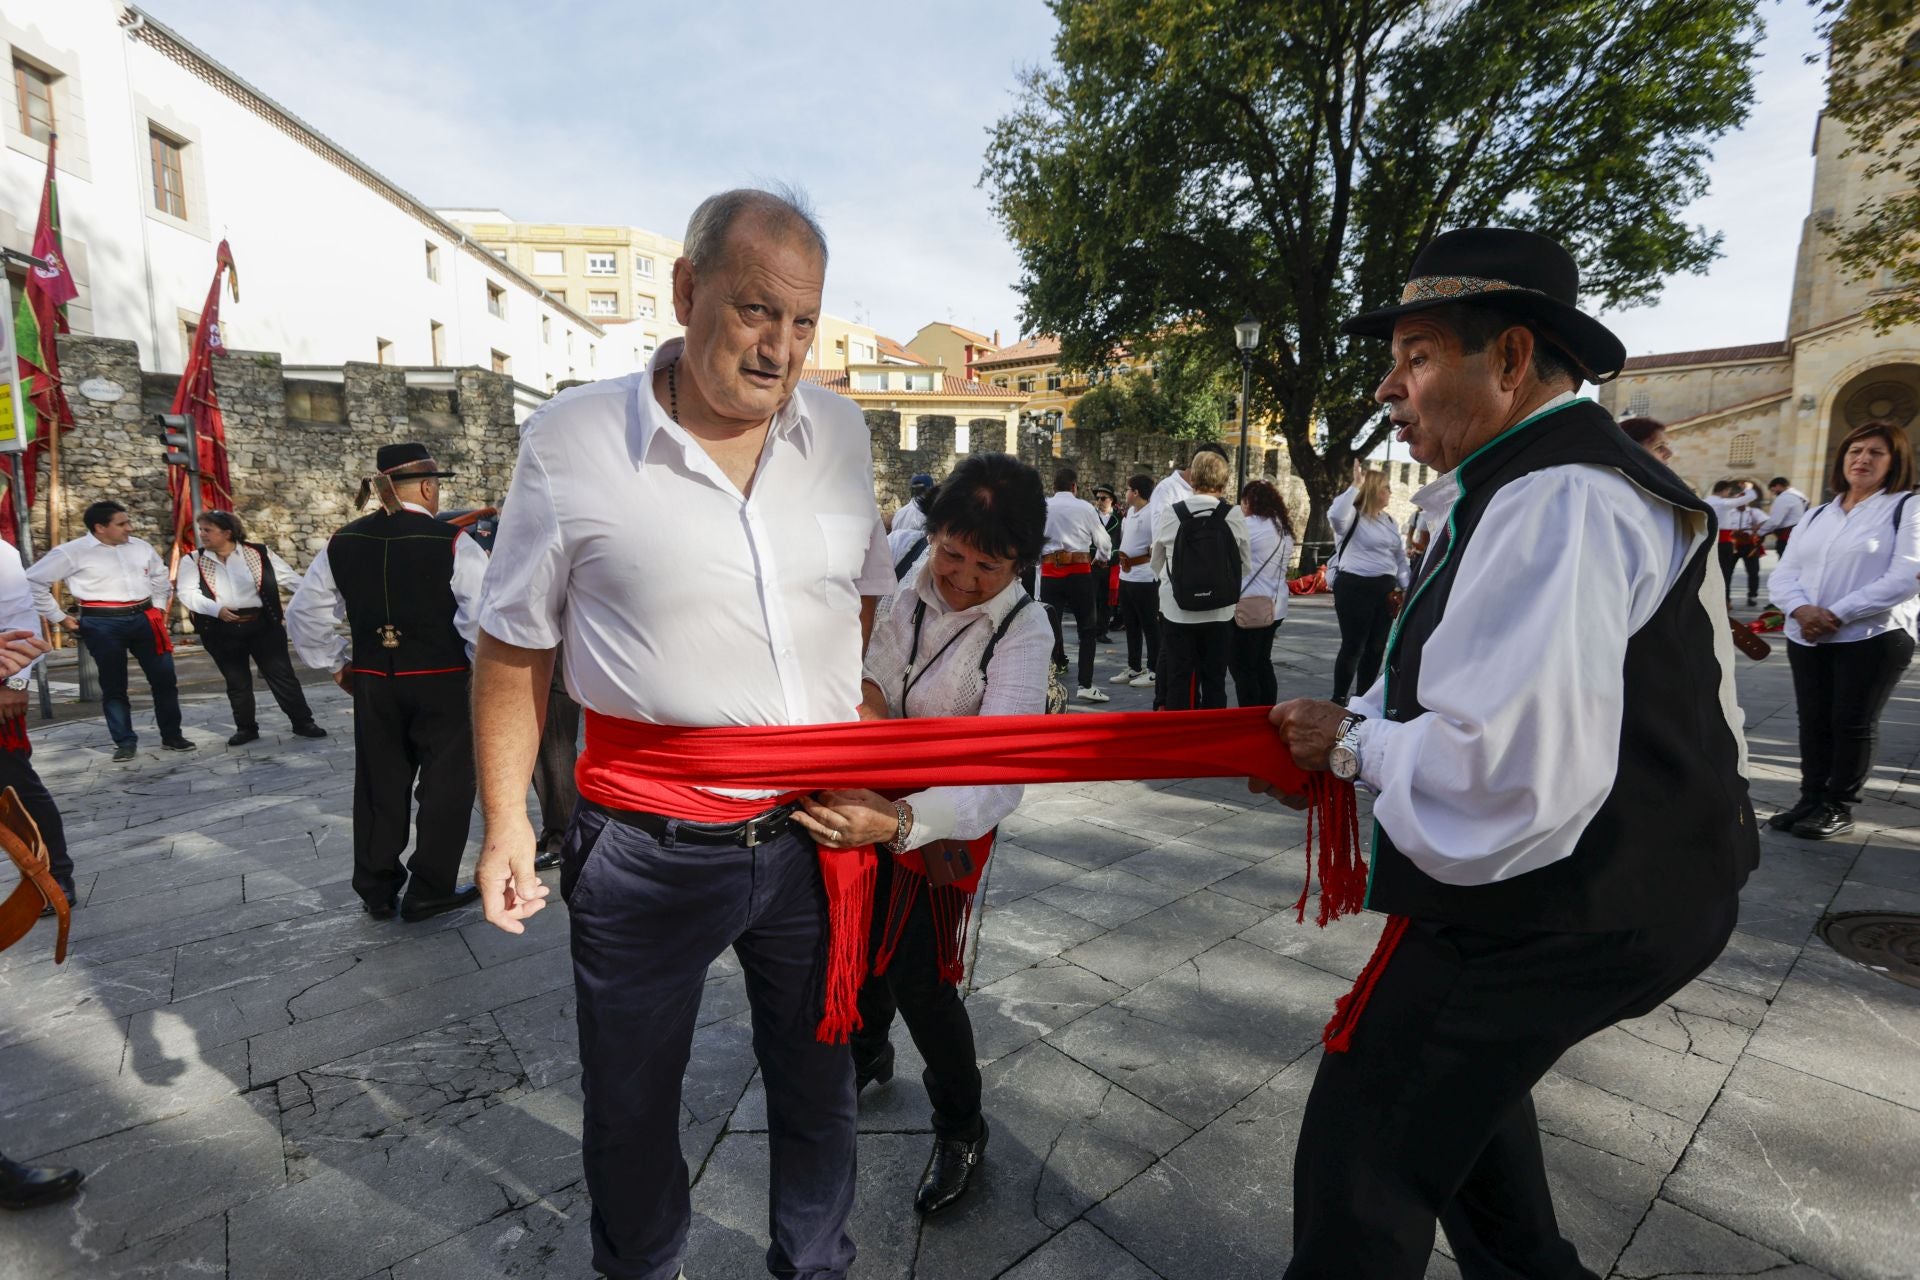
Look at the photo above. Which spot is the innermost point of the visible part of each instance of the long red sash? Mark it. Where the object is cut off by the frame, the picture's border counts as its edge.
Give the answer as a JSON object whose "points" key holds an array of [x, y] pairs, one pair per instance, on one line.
{"points": [[908, 755]]}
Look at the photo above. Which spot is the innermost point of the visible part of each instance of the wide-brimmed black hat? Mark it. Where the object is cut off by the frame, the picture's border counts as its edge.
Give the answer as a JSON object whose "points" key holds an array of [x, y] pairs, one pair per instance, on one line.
{"points": [[1517, 272], [1106, 489], [410, 460]]}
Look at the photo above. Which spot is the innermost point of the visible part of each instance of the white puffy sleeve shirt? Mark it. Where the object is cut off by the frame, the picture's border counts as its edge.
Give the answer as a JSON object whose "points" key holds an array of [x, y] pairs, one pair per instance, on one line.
{"points": [[233, 585], [1375, 550], [1521, 679], [1860, 565]]}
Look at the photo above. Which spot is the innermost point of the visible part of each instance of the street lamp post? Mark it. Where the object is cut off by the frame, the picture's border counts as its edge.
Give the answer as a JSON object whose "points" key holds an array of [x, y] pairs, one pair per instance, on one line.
{"points": [[1246, 336]]}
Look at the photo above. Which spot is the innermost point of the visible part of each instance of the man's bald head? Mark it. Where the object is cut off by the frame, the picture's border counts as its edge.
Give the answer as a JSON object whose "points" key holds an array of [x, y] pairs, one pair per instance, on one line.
{"points": [[780, 213]]}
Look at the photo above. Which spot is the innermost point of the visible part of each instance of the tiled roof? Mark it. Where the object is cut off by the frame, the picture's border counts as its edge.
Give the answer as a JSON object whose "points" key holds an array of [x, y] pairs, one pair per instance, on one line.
{"points": [[894, 351], [1711, 355], [977, 339], [838, 380], [1039, 347]]}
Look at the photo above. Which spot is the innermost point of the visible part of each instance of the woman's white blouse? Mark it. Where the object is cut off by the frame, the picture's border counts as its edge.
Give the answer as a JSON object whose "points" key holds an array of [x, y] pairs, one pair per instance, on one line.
{"points": [[1860, 565], [1269, 552], [1375, 551], [950, 684]]}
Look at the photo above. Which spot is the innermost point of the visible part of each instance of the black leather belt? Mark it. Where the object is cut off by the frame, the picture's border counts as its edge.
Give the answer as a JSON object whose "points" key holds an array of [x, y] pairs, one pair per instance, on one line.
{"points": [[756, 830], [112, 610]]}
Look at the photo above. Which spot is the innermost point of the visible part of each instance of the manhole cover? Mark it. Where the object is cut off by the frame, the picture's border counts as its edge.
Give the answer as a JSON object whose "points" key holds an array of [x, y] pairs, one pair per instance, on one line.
{"points": [[1886, 942]]}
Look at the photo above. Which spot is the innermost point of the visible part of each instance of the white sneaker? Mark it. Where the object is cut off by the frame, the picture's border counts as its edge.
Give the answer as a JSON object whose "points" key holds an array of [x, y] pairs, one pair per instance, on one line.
{"points": [[1125, 677], [1091, 694], [1142, 681]]}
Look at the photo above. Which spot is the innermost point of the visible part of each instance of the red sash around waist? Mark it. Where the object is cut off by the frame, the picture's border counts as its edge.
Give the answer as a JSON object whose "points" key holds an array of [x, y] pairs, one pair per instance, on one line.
{"points": [[633, 765], [156, 618]]}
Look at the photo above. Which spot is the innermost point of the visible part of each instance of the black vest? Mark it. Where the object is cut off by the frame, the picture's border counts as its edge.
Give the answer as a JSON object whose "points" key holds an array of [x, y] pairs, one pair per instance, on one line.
{"points": [[395, 573], [269, 585], [1677, 830]]}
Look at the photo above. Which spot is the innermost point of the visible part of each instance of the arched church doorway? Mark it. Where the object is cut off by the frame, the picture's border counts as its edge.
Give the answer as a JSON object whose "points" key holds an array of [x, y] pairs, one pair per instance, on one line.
{"points": [[1886, 393]]}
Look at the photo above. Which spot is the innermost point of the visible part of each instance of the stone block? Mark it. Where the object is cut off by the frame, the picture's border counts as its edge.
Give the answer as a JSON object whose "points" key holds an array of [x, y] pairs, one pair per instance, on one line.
{"points": [[1846, 1024], [1673, 1242], [1027, 1005], [1024, 933], [1159, 940], [1081, 1252]]}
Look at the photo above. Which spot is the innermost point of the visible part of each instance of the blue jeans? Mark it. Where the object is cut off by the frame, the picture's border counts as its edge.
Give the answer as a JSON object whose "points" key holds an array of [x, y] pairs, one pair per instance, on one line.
{"points": [[110, 640]]}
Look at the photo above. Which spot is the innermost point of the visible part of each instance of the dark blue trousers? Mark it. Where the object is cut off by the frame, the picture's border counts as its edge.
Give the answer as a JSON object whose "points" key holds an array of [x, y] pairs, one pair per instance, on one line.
{"points": [[110, 640], [647, 920]]}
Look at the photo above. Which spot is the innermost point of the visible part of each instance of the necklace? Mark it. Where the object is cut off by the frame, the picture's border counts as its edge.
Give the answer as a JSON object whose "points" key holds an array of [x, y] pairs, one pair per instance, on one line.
{"points": [[673, 392]]}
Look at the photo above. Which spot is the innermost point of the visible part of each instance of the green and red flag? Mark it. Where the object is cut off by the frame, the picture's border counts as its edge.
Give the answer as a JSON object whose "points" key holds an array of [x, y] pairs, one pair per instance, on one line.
{"points": [[37, 323], [199, 399]]}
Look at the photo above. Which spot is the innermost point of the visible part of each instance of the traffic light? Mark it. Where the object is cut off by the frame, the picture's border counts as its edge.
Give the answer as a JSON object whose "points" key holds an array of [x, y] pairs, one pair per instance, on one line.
{"points": [[178, 430]]}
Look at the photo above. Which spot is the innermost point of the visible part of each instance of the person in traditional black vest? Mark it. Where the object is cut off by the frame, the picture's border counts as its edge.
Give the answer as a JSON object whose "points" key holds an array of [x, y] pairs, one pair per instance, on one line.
{"points": [[231, 588], [1561, 813], [408, 586]]}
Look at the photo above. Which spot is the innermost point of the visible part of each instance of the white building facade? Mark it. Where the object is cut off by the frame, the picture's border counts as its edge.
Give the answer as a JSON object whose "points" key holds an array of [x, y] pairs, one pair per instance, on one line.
{"points": [[162, 152]]}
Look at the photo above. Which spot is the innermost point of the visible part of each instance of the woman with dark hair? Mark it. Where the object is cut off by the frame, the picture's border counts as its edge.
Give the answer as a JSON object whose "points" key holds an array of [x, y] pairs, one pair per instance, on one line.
{"points": [[1263, 595], [962, 638], [1847, 585], [231, 588], [1649, 435]]}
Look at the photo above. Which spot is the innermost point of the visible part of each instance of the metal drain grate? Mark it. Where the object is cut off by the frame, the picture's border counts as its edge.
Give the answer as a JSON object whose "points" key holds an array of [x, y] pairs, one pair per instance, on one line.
{"points": [[1887, 942]]}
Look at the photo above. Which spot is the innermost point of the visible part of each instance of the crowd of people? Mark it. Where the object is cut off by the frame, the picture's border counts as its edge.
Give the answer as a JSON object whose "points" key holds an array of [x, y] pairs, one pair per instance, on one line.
{"points": [[1514, 677]]}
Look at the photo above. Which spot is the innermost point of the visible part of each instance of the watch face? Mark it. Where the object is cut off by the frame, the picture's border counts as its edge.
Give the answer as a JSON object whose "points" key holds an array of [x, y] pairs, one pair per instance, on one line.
{"points": [[1343, 763]]}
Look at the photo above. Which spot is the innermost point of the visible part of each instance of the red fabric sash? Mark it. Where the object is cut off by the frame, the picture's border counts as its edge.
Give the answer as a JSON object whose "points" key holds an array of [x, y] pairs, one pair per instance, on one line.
{"points": [[908, 755], [1064, 570], [156, 619], [13, 736]]}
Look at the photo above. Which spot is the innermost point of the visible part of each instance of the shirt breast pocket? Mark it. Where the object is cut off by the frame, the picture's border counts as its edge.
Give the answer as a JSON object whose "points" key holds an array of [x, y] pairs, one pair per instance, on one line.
{"points": [[846, 539]]}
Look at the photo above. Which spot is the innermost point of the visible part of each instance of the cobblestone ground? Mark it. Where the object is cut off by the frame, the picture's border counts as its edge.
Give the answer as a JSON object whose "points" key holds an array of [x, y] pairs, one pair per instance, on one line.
{"points": [[262, 1083]]}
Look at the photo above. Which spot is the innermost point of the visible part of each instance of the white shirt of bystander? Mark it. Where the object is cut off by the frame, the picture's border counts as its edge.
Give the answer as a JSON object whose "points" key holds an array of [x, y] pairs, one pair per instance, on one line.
{"points": [[233, 585], [93, 570]]}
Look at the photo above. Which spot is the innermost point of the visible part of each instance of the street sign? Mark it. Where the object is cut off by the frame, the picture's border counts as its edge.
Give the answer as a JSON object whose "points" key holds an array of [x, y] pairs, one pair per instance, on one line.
{"points": [[12, 438]]}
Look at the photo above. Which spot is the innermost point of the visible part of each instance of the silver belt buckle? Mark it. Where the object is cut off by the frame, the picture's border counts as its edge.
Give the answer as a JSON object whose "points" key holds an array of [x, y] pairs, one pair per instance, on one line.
{"points": [[753, 832]]}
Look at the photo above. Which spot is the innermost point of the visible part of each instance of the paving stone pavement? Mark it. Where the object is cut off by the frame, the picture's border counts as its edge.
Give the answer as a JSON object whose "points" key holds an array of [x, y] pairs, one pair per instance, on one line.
{"points": [[262, 1084]]}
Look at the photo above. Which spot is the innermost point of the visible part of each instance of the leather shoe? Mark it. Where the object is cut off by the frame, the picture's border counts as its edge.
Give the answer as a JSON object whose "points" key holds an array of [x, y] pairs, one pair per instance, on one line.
{"points": [[547, 859], [1786, 818], [877, 1071], [22, 1186], [381, 910], [309, 730], [124, 752], [179, 744], [951, 1169], [1824, 823], [415, 908], [243, 736]]}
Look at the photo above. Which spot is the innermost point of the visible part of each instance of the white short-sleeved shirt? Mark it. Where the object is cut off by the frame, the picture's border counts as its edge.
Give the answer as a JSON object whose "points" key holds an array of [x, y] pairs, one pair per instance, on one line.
{"points": [[680, 601]]}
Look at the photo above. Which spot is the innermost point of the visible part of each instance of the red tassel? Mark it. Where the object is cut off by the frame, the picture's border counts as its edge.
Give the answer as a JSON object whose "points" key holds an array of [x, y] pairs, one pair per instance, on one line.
{"points": [[157, 620], [952, 911], [1333, 816], [1338, 1034], [906, 885], [849, 875]]}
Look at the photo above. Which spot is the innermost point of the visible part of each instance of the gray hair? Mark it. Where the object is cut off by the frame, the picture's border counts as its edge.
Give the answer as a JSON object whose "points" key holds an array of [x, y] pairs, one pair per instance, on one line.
{"points": [[785, 207]]}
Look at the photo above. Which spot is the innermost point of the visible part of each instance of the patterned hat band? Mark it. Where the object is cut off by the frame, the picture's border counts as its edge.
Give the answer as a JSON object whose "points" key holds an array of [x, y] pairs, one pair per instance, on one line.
{"points": [[1447, 288]]}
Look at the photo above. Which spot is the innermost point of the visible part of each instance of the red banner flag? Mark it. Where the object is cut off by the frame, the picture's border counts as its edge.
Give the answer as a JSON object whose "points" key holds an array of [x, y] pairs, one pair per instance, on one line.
{"points": [[199, 399], [37, 324]]}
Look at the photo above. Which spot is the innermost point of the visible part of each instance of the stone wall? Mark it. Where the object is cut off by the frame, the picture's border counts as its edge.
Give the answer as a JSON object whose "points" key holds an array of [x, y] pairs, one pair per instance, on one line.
{"points": [[296, 448]]}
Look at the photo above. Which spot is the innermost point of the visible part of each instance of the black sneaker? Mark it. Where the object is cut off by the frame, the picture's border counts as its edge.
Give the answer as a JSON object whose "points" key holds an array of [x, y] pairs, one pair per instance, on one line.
{"points": [[125, 752], [178, 744], [1824, 823], [309, 730], [1786, 818], [242, 737]]}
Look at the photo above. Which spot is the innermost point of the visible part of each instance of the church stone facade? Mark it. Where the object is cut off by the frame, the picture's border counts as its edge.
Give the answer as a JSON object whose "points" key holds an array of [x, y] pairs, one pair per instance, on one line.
{"points": [[1780, 408]]}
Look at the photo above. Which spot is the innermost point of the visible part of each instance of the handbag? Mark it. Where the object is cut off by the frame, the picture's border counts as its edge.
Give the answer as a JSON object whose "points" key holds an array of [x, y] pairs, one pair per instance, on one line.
{"points": [[37, 890], [1252, 613]]}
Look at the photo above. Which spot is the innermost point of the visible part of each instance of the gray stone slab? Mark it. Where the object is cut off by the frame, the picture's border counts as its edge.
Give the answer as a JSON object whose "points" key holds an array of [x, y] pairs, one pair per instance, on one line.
{"points": [[142, 911], [1846, 1024], [199, 1249], [1587, 1114], [180, 931], [1024, 933], [1025, 1006], [1015, 871], [39, 1002], [1341, 947], [1678, 1082], [1752, 964], [1674, 1244], [1182, 865], [1144, 948], [1201, 1038], [1253, 834], [491, 946], [1109, 896], [1062, 1140], [1599, 1198], [164, 1082], [1081, 1252], [1085, 844], [83, 1056], [549, 1238], [1821, 1173], [1887, 867], [545, 1036]]}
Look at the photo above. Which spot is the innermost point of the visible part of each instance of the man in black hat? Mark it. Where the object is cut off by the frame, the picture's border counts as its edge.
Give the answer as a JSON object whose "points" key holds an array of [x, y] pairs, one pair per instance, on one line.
{"points": [[1561, 815], [408, 586]]}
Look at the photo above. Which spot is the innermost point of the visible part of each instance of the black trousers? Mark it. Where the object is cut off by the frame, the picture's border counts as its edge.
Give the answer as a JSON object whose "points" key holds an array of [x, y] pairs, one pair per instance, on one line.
{"points": [[1072, 594], [412, 740], [559, 750], [1365, 612], [935, 1015], [1428, 1117], [1250, 658], [1140, 612], [1839, 691], [1193, 664], [263, 641], [16, 771], [1729, 557], [1103, 609], [646, 919]]}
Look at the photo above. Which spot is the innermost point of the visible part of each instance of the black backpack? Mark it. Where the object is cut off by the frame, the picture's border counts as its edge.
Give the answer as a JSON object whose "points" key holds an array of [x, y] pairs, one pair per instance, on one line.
{"points": [[1206, 559]]}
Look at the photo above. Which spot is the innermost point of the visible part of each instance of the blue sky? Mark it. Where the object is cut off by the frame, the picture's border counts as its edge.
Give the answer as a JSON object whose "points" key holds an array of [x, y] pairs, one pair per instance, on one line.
{"points": [[628, 113]]}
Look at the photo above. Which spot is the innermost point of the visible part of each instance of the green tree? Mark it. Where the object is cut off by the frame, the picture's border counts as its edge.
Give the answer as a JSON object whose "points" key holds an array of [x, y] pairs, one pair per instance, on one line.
{"points": [[1184, 162], [1874, 91], [1104, 409]]}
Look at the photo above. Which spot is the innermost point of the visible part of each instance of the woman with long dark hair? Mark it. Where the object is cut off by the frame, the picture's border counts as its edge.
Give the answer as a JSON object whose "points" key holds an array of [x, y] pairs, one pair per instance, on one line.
{"points": [[232, 588], [1263, 595]]}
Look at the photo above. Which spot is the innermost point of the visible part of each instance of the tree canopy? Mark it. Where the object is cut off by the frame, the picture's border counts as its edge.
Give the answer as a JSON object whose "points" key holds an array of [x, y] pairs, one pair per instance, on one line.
{"points": [[1874, 90], [1181, 163]]}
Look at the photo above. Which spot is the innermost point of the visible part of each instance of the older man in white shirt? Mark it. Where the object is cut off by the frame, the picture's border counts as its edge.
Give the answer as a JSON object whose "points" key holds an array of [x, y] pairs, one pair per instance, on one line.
{"points": [[1076, 537], [704, 537], [1788, 505], [121, 588]]}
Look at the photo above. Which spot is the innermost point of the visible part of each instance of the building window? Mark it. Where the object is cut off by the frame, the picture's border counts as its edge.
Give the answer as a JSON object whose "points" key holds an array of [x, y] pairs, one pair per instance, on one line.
{"points": [[549, 262], [382, 351], [433, 261], [499, 253], [919, 381], [496, 300], [437, 341], [1024, 382], [642, 307], [546, 329], [962, 437], [1001, 383], [647, 348], [169, 175], [600, 264], [502, 363], [643, 266], [910, 433], [569, 342], [1053, 379], [33, 89], [1423, 473], [1740, 450], [870, 382], [1639, 404], [590, 350], [603, 304]]}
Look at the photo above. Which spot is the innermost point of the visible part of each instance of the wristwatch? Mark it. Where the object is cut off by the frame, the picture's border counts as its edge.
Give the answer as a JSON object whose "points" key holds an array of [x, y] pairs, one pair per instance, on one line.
{"points": [[1344, 758], [19, 683]]}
